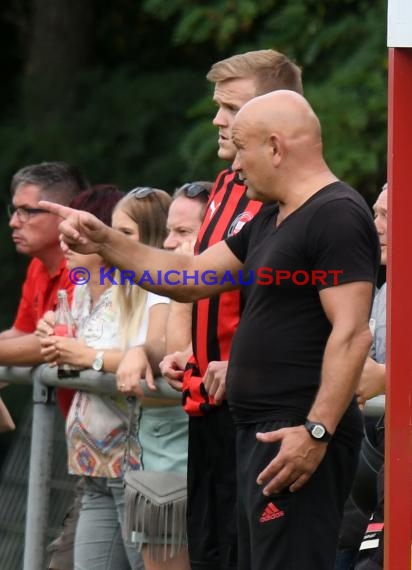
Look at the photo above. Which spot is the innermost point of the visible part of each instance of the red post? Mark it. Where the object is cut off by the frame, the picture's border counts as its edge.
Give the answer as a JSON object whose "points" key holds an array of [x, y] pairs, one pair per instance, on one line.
{"points": [[398, 452]]}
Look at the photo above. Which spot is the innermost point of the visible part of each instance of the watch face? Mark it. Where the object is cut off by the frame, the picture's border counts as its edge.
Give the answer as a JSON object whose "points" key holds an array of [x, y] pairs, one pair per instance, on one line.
{"points": [[318, 431], [98, 364]]}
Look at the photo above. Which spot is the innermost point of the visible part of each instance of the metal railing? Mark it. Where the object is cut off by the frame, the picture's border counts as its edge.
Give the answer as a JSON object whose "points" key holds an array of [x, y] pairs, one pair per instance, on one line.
{"points": [[44, 379]]}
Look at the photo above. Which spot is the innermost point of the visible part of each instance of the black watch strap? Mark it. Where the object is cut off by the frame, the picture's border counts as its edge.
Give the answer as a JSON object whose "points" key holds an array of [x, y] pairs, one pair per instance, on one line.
{"points": [[318, 431]]}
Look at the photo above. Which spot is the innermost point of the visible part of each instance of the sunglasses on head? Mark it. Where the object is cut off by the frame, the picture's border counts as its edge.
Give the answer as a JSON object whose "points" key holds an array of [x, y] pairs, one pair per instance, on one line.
{"points": [[193, 189], [142, 192]]}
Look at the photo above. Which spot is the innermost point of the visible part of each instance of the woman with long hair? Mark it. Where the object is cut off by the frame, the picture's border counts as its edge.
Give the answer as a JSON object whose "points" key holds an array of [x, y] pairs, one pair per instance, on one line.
{"points": [[97, 424], [162, 422]]}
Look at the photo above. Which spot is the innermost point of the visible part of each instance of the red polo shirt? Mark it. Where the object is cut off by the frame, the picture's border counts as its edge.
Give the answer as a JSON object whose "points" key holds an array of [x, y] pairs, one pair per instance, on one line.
{"points": [[39, 295]]}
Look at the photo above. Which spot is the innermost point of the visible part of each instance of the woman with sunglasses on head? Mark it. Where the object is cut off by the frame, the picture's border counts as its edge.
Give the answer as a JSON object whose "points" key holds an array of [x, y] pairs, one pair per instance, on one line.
{"points": [[161, 421], [97, 425]]}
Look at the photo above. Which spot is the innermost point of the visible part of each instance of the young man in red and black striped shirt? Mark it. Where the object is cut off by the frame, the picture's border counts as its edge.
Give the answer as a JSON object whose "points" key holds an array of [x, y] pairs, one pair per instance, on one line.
{"points": [[212, 461]]}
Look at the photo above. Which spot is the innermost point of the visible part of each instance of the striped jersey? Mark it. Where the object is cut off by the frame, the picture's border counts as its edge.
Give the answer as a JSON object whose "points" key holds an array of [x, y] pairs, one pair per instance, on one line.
{"points": [[214, 320]]}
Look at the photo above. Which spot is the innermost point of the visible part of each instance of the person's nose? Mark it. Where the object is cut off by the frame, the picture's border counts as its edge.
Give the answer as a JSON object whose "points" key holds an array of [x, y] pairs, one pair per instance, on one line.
{"points": [[14, 221], [219, 119], [380, 225], [170, 242]]}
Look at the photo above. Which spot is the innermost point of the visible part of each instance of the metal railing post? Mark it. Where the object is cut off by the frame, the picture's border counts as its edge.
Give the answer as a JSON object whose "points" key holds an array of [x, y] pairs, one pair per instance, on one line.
{"points": [[43, 378], [44, 410]]}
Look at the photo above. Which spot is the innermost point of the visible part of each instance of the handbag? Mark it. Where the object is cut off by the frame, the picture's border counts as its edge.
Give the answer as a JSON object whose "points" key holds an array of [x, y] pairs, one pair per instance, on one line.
{"points": [[155, 508]]}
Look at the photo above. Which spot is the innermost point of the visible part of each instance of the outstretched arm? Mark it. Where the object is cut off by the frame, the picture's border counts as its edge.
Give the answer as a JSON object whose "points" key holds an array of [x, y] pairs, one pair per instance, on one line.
{"points": [[181, 277]]}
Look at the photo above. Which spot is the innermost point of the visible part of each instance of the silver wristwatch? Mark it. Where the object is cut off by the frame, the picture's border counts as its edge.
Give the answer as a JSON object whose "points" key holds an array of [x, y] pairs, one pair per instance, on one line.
{"points": [[98, 361]]}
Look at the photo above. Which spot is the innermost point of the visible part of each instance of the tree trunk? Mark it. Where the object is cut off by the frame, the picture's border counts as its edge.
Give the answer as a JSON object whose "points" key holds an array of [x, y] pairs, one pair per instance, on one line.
{"points": [[59, 47]]}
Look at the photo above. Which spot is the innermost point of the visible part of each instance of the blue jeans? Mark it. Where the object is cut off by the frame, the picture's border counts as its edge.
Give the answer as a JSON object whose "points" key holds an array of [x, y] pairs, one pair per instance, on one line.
{"points": [[99, 543]]}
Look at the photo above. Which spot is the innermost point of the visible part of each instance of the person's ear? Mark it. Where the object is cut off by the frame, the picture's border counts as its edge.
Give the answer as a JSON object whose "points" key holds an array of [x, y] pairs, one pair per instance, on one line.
{"points": [[276, 148]]}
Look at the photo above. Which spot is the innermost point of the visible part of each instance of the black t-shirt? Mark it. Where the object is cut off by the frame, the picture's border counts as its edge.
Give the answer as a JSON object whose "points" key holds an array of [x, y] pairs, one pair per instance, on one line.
{"points": [[277, 351]]}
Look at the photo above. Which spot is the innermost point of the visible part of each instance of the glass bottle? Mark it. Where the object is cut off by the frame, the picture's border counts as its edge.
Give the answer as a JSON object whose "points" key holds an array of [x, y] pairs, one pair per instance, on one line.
{"points": [[64, 326]]}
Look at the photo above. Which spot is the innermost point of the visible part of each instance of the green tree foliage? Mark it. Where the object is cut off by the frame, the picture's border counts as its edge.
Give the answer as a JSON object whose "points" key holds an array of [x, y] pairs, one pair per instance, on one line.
{"points": [[118, 87], [341, 47]]}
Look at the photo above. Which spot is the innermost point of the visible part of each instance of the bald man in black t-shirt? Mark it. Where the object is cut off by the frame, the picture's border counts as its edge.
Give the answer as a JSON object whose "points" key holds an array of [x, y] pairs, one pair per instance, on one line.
{"points": [[299, 349]]}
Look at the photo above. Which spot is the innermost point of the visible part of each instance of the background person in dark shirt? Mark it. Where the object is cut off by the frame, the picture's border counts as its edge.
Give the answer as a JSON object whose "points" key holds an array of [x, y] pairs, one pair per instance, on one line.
{"points": [[357, 515], [293, 489]]}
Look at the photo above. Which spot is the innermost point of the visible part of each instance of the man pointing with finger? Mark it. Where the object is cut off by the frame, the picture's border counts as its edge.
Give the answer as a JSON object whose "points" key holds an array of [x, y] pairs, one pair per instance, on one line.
{"points": [[298, 352]]}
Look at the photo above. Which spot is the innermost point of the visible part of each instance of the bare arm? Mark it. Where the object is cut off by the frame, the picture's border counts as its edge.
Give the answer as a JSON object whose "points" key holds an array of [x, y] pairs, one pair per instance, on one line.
{"points": [[347, 308], [145, 262], [372, 382], [83, 232], [58, 350], [155, 344], [20, 350], [215, 380], [11, 333], [8, 334], [179, 327], [143, 361]]}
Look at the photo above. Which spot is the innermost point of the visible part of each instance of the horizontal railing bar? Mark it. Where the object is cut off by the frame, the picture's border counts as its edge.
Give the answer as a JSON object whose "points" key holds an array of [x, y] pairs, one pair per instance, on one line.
{"points": [[90, 380]]}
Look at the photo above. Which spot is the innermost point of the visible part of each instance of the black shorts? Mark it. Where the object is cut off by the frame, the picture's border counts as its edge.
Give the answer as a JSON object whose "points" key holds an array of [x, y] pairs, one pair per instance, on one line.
{"points": [[293, 531], [211, 518]]}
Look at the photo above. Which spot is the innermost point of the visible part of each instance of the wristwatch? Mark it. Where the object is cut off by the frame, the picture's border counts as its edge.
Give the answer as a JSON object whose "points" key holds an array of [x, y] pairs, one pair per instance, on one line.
{"points": [[317, 431], [98, 361]]}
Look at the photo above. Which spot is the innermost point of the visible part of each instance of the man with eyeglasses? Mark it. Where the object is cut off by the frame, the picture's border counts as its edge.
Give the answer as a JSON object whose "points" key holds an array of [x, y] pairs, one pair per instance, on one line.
{"points": [[35, 233]]}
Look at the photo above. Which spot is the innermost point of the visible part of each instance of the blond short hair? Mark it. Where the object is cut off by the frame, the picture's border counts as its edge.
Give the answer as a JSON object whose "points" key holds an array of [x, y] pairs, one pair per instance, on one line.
{"points": [[271, 69]]}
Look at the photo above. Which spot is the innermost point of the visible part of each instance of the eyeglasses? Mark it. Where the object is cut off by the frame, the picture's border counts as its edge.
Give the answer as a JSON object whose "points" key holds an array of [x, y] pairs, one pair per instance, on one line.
{"points": [[194, 189], [23, 213]]}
